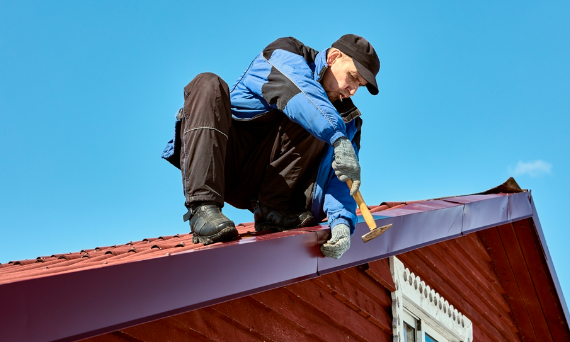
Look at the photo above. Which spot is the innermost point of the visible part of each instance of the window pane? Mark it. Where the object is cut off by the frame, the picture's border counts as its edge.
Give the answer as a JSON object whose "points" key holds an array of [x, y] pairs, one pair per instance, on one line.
{"points": [[430, 339], [409, 333]]}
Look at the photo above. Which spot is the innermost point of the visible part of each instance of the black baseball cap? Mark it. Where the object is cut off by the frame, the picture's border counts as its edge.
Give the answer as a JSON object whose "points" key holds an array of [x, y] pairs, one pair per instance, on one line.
{"points": [[364, 57]]}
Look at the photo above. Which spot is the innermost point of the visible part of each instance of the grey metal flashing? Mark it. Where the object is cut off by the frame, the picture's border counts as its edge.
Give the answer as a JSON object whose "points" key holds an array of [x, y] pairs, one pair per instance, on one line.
{"points": [[411, 229], [440, 220], [484, 214], [76, 305], [519, 206]]}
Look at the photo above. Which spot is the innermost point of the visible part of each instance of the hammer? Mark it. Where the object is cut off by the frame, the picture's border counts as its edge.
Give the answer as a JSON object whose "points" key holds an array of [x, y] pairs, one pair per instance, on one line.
{"points": [[374, 231]]}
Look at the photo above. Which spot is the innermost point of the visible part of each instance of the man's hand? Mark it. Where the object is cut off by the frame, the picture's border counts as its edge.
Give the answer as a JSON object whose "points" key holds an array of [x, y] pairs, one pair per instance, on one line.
{"points": [[345, 163], [339, 242]]}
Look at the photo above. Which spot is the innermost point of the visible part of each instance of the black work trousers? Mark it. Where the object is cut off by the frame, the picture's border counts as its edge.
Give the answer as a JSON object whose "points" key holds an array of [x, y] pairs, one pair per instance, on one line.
{"points": [[269, 158]]}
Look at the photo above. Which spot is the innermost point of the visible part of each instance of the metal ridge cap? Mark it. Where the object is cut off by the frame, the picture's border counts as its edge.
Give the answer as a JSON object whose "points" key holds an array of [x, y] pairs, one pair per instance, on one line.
{"points": [[409, 231], [117, 296], [422, 228], [111, 262]]}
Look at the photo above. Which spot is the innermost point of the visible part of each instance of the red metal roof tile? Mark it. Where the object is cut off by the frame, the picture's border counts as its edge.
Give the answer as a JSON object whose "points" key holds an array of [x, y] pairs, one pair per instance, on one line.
{"points": [[26, 262], [120, 250], [162, 245], [71, 256]]}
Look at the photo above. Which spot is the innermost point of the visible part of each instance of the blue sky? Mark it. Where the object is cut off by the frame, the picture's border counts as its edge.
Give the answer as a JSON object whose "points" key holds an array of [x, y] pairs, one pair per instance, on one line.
{"points": [[470, 94]]}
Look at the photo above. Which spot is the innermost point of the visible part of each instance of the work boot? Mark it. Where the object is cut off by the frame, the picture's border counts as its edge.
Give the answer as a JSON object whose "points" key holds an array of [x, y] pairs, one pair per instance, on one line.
{"points": [[276, 220], [209, 225]]}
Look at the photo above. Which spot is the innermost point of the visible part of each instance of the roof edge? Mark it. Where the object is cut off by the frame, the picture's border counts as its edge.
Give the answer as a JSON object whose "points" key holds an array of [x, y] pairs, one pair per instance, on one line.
{"points": [[154, 288], [549, 262]]}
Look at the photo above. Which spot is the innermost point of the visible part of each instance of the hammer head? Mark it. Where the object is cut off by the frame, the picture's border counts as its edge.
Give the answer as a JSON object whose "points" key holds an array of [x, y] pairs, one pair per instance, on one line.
{"points": [[376, 232]]}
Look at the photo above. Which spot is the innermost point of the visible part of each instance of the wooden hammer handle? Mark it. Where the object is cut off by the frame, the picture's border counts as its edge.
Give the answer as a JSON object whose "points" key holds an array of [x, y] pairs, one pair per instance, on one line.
{"points": [[363, 207]]}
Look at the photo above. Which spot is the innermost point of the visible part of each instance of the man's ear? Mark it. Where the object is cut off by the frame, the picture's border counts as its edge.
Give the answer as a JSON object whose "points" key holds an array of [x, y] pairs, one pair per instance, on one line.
{"points": [[333, 55]]}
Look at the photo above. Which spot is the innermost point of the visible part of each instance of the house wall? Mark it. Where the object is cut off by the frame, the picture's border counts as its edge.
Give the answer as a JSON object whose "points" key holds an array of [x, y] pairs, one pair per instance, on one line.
{"points": [[461, 270], [520, 262], [347, 305]]}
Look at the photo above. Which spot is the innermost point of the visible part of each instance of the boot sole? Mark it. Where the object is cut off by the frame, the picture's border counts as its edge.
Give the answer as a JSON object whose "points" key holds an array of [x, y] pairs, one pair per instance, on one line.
{"points": [[263, 227], [226, 234]]}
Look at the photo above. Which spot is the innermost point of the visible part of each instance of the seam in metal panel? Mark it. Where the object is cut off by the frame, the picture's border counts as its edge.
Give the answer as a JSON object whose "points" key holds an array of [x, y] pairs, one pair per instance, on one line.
{"points": [[509, 210]]}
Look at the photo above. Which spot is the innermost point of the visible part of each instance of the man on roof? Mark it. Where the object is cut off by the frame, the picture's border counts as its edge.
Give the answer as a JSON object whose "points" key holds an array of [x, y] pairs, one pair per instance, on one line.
{"points": [[280, 142]]}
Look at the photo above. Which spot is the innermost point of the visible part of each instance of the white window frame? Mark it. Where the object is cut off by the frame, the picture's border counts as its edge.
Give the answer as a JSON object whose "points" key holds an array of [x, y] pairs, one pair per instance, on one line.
{"points": [[414, 300]]}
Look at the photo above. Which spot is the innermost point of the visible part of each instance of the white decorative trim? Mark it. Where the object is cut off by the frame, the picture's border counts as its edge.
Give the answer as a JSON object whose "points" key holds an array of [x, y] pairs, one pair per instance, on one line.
{"points": [[429, 306]]}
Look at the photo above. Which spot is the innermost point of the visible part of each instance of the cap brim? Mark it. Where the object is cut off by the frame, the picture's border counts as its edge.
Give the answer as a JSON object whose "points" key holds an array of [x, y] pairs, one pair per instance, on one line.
{"points": [[368, 76]]}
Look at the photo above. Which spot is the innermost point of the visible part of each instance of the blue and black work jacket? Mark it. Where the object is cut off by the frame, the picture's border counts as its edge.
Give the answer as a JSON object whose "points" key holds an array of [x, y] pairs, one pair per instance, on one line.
{"points": [[286, 76]]}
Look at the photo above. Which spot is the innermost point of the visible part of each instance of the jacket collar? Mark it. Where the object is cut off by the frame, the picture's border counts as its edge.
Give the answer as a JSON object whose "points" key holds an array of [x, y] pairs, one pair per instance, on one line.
{"points": [[320, 65]]}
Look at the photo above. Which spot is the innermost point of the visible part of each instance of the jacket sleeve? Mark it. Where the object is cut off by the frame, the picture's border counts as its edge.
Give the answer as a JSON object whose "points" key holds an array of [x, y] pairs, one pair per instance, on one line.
{"points": [[282, 78], [339, 206]]}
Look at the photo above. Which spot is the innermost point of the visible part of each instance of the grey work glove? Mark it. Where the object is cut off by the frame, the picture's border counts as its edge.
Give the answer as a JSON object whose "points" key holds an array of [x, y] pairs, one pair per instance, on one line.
{"points": [[339, 242], [345, 163]]}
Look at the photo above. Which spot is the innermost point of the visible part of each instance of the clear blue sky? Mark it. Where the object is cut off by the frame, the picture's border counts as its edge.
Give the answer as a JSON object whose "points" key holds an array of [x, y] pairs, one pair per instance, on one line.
{"points": [[470, 94]]}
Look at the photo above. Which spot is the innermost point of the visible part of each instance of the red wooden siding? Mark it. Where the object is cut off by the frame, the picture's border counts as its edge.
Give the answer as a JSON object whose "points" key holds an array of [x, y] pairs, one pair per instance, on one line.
{"points": [[348, 305], [519, 262], [460, 270]]}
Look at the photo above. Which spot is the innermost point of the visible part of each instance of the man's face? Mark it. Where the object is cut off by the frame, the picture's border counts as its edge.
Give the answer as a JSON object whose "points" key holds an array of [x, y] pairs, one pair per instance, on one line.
{"points": [[341, 79]]}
